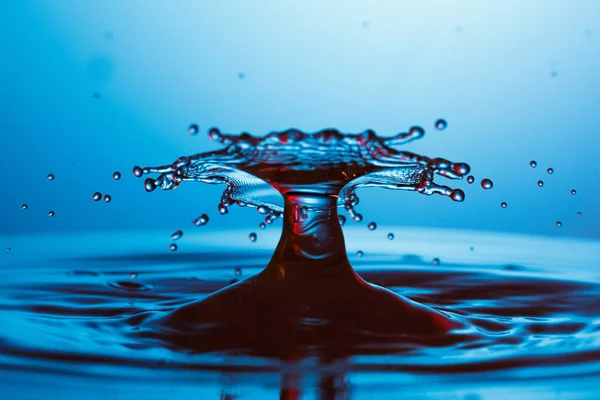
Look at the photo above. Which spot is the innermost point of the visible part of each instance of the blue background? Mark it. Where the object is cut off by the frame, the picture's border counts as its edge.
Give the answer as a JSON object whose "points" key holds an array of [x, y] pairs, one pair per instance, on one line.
{"points": [[516, 80]]}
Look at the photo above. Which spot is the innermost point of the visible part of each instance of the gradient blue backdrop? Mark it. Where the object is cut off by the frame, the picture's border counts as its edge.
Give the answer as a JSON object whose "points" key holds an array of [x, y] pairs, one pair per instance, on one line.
{"points": [[516, 80]]}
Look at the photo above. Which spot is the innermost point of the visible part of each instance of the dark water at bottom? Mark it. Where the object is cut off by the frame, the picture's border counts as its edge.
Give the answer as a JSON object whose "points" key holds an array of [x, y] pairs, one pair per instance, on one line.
{"points": [[69, 306]]}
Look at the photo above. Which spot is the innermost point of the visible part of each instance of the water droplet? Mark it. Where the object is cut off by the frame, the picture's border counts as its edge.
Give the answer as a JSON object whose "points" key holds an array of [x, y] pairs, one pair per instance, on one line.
{"points": [[107, 198], [441, 124], [461, 168], [137, 171], [237, 272], [176, 235], [550, 171], [574, 192], [50, 177], [223, 209], [173, 247], [436, 261], [116, 175], [470, 179], [252, 237], [51, 213], [24, 206], [133, 275], [97, 196], [150, 185], [359, 253], [487, 183], [457, 195], [8, 249], [558, 224], [193, 129], [540, 183], [262, 225], [390, 236], [579, 213], [201, 220], [503, 204], [372, 226], [357, 217], [532, 163], [342, 220]]}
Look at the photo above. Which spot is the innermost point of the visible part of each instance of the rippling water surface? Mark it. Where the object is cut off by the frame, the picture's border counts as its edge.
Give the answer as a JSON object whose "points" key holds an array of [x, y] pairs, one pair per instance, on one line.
{"points": [[71, 308]]}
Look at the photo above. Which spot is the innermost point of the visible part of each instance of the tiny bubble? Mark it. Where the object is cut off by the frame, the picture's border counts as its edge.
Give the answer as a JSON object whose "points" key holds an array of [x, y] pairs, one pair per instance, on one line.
{"points": [[24, 206], [503, 204], [252, 237], [574, 192], [533, 164], [51, 213], [558, 224], [50, 177], [116, 175], [372, 226], [487, 183], [579, 213], [359, 253], [193, 129], [97, 196], [107, 198], [540, 183], [436, 261], [441, 124], [390, 236], [550, 171], [173, 247]]}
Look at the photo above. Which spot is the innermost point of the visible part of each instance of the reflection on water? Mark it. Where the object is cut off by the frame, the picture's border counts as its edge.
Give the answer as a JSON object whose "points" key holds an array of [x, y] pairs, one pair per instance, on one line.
{"points": [[71, 322]]}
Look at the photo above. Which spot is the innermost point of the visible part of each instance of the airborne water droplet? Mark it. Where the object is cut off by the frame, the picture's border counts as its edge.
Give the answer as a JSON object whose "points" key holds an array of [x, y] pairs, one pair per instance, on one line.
{"points": [[558, 224], [503, 204], [107, 198], [51, 213], [574, 192], [359, 253], [173, 247], [441, 124], [116, 175], [133, 275], [262, 225], [252, 237], [8, 249], [487, 183], [579, 213], [390, 236], [50, 177], [533, 164], [97, 196], [149, 185], [193, 129], [457, 195], [24, 206], [540, 183], [550, 171], [237, 271], [201, 220], [176, 235], [372, 226], [137, 171], [436, 261], [223, 209], [342, 220], [470, 179], [357, 217]]}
